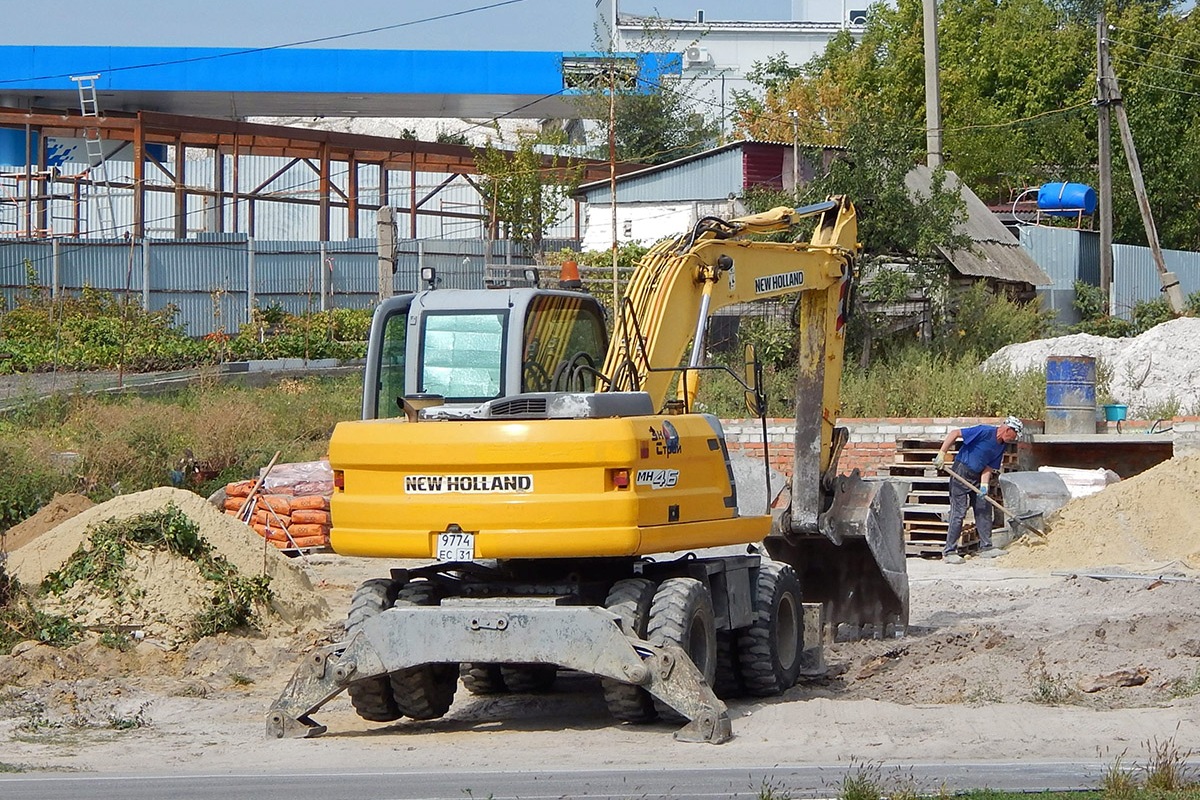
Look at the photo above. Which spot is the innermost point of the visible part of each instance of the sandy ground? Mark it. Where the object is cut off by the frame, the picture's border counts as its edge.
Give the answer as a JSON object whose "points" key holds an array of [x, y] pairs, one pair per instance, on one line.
{"points": [[995, 666]]}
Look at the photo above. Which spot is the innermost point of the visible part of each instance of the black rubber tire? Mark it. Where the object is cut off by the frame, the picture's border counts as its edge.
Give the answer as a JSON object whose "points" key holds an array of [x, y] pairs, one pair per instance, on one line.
{"points": [[481, 678], [682, 615], [630, 599], [770, 649], [525, 678], [372, 698], [728, 681], [426, 691]]}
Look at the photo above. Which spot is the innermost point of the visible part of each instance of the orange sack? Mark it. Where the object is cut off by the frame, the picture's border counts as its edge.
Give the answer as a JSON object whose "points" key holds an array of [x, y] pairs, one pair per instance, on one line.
{"points": [[309, 530], [234, 503], [279, 503], [310, 516], [312, 541], [311, 501], [271, 519], [239, 488]]}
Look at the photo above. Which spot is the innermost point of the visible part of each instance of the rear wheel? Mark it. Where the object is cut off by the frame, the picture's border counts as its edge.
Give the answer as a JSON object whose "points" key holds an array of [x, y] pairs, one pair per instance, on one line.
{"points": [[728, 681], [425, 691], [481, 678], [630, 599], [770, 649], [528, 677], [372, 698], [682, 615]]}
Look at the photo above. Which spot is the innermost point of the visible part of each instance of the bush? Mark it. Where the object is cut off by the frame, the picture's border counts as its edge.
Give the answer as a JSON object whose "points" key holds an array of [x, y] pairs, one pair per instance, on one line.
{"points": [[986, 322], [29, 481]]}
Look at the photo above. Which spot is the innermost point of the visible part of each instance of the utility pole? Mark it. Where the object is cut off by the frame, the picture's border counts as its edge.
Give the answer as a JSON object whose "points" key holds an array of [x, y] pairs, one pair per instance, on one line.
{"points": [[795, 116], [933, 112], [1104, 136], [612, 177], [1170, 284]]}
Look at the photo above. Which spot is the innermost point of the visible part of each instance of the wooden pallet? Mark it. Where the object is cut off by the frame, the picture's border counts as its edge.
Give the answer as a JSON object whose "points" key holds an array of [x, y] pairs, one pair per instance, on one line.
{"points": [[926, 509]]}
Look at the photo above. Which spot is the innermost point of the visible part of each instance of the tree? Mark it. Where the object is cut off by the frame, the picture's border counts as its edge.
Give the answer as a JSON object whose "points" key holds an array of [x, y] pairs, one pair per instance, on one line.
{"points": [[526, 189]]}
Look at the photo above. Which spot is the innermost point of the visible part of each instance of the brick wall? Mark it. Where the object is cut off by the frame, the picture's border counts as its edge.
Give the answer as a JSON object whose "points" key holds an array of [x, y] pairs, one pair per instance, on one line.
{"points": [[872, 445]]}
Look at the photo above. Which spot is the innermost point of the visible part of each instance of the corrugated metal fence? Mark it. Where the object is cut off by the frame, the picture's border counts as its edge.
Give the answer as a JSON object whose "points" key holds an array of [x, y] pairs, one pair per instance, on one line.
{"points": [[1069, 255], [216, 280]]}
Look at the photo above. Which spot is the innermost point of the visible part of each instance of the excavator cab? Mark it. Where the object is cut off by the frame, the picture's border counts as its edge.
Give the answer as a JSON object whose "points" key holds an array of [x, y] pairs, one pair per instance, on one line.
{"points": [[471, 346]]}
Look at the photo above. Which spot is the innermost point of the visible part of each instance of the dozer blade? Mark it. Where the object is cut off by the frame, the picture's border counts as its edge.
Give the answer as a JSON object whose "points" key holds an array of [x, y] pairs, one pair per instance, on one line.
{"points": [[855, 564], [583, 638]]}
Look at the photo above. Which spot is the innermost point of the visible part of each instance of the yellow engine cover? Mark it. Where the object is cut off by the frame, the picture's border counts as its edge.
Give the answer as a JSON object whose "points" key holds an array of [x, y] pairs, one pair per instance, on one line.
{"points": [[535, 488]]}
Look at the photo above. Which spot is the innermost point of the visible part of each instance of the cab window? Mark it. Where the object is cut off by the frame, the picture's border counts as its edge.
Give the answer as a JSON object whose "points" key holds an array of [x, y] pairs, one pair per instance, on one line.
{"points": [[462, 354], [391, 367], [564, 345]]}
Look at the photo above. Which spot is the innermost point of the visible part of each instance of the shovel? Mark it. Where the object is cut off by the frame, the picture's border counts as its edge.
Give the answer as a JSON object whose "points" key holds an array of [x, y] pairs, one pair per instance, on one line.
{"points": [[1039, 533]]}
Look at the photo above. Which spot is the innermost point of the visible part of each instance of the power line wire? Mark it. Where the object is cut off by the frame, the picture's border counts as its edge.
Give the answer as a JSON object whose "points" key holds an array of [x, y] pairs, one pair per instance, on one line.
{"points": [[252, 50], [1173, 39]]}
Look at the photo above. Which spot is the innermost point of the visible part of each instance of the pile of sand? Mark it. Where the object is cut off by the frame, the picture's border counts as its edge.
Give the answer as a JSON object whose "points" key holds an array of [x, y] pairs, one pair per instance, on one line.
{"points": [[1144, 522], [165, 591], [60, 509]]}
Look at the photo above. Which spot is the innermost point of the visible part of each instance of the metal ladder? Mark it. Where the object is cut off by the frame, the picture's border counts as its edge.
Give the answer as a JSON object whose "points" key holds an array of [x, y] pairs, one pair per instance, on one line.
{"points": [[94, 146]]}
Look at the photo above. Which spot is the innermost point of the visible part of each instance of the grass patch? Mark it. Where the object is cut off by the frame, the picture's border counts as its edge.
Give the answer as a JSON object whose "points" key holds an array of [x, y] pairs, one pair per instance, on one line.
{"points": [[102, 566], [20, 621]]}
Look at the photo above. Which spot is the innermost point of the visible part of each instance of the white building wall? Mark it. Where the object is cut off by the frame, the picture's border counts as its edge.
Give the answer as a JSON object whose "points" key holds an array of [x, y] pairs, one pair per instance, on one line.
{"points": [[716, 56]]}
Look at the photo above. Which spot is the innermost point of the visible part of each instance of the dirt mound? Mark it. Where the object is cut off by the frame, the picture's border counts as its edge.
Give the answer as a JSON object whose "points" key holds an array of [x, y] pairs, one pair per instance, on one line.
{"points": [[1143, 522], [60, 509], [165, 590]]}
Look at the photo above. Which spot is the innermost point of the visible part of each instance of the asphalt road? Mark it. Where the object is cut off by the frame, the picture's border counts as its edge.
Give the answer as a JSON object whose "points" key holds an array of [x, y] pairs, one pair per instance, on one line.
{"points": [[809, 781]]}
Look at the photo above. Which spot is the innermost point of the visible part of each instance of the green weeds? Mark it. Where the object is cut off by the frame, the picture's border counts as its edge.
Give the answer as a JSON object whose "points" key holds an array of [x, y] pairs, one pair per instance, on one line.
{"points": [[101, 564]]}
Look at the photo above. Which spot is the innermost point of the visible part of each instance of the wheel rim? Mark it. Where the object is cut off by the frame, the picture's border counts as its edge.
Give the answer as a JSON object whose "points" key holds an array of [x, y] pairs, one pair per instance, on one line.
{"points": [[789, 631]]}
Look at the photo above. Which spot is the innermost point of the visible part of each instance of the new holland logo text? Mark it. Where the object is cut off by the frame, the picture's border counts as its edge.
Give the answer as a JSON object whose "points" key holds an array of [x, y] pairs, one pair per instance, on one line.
{"points": [[658, 478], [775, 283], [467, 484]]}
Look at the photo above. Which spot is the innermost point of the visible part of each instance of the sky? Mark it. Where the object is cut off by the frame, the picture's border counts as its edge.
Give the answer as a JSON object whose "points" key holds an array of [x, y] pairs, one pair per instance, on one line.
{"points": [[553, 25]]}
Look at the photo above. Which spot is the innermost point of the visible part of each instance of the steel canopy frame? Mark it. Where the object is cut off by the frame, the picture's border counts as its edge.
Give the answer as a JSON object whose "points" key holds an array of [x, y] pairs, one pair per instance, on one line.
{"points": [[318, 150]]}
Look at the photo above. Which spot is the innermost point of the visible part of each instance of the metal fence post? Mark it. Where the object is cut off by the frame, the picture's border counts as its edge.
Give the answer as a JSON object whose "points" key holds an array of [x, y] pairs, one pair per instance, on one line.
{"points": [[145, 244], [250, 279]]}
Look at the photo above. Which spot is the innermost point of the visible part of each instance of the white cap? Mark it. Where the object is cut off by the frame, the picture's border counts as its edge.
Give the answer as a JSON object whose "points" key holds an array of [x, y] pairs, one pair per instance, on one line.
{"points": [[1014, 423]]}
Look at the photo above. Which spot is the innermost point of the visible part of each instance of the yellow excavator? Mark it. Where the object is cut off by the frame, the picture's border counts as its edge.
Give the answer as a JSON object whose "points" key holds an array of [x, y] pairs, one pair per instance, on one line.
{"points": [[572, 511]]}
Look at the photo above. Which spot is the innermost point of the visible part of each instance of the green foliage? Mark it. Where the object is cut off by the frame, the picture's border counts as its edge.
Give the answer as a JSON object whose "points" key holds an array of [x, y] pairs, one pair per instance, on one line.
{"points": [[95, 330], [1185, 687], [525, 188], [20, 621], [27, 484], [101, 564], [774, 340], [985, 322], [339, 333], [918, 383], [1092, 306]]}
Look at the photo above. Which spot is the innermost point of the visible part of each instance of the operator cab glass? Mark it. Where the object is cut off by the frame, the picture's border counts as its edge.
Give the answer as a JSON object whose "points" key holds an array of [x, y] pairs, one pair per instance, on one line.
{"points": [[564, 345], [390, 378], [462, 354]]}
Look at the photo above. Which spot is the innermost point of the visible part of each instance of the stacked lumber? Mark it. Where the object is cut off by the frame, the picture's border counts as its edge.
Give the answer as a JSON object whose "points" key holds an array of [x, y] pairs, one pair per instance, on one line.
{"points": [[291, 515], [926, 510]]}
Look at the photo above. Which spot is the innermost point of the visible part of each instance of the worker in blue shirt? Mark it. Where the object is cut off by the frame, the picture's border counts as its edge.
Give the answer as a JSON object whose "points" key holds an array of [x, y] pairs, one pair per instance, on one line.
{"points": [[979, 456]]}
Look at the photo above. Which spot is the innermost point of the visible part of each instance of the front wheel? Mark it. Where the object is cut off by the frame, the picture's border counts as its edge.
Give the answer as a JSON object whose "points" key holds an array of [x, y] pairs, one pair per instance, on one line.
{"points": [[630, 599], [682, 615], [769, 651], [372, 698], [425, 691]]}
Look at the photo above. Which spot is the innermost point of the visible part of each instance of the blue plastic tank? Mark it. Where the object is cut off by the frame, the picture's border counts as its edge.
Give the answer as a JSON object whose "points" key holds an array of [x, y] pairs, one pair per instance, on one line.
{"points": [[1066, 199]]}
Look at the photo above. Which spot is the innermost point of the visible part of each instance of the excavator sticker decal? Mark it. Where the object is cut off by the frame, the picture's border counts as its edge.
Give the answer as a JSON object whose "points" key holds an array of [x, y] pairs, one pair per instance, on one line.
{"points": [[776, 283], [666, 441], [658, 478], [468, 484]]}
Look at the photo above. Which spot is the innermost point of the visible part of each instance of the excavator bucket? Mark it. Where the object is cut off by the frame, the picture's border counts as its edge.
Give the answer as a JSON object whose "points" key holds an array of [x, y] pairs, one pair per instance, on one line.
{"points": [[855, 564]]}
